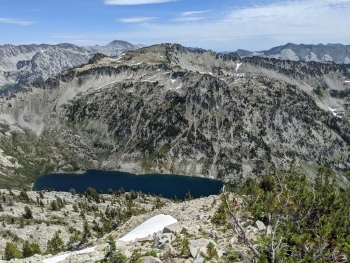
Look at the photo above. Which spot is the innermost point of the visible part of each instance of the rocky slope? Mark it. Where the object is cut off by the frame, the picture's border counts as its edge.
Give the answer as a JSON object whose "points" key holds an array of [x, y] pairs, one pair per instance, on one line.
{"points": [[321, 53], [36, 63], [103, 218], [165, 109]]}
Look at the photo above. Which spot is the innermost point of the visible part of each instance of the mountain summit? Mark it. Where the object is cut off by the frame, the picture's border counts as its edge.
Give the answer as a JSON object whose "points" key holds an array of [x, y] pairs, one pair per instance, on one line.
{"points": [[114, 48]]}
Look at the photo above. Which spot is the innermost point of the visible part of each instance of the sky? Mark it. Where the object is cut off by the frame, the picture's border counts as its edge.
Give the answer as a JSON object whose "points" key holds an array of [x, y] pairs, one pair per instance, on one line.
{"points": [[220, 25]]}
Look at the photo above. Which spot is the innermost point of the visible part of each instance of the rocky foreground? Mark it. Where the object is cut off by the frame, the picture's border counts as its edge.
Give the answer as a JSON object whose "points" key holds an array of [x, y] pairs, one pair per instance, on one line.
{"points": [[82, 219]]}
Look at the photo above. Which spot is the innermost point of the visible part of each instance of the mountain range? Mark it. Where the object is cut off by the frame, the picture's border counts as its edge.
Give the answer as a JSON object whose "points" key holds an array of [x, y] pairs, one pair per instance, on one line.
{"points": [[36, 63], [168, 109], [321, 53]]}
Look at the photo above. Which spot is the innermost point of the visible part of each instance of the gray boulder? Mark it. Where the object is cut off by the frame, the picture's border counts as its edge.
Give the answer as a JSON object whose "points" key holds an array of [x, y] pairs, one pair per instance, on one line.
{"points": [[164, 241], [197, 245], [172, 228], [260, 225], [151, 259]]}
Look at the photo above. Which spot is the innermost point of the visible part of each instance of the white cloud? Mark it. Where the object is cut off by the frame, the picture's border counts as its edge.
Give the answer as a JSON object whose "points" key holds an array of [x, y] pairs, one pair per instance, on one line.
{"points": [[190, 13], [135, 2], [136, 19], [255, 28], [16, 21], [188, 19]]}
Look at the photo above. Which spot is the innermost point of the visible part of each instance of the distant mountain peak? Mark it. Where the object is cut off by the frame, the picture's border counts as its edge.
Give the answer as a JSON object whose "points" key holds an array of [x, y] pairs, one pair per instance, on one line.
{"points": [[114, 48], [336, 52]]}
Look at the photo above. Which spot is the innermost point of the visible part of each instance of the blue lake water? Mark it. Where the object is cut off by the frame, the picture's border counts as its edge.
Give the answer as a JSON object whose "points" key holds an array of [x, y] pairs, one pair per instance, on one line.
{"points": [[167, 185]]}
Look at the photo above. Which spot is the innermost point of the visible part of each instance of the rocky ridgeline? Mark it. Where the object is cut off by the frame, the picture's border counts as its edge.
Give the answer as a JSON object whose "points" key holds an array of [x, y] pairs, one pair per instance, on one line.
{"points": [[36, 63], [194, 226]]}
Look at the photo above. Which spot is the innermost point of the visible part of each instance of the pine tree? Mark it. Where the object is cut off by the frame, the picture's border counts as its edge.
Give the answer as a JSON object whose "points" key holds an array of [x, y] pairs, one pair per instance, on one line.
{"points": [[29, 249], [55, 245], [11, 251]]}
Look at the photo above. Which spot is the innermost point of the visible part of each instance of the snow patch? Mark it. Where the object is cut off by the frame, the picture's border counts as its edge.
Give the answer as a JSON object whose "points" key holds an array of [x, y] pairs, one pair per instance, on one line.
{"points": [[333, 111], [238, 65], [173, 80], [347, 81], [179, 87], [152, 225], [64, 256]]}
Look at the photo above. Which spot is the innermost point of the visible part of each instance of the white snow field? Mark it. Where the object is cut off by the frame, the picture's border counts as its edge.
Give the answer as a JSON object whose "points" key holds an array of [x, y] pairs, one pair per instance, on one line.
{"points": [[64, 256], [150, 226]]}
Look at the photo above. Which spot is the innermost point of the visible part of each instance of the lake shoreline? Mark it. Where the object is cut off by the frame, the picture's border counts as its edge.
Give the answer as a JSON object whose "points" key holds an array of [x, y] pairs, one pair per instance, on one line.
{"points": [[167, 185]]}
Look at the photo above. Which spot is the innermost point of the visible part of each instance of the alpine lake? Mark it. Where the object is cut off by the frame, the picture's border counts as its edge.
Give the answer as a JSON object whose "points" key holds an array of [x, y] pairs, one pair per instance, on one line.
{"points": [[169, 186]]}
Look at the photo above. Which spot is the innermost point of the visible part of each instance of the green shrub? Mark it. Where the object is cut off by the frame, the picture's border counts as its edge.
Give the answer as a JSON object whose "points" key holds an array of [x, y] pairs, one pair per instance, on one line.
{"points": [[151, 253], [219, 217], [91, 192], [27, 213], [29, 249], [211, 252], [11, 251], [75, 208]]}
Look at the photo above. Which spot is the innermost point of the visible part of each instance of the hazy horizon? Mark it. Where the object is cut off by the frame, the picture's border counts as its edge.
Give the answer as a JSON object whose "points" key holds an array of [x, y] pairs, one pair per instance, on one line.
{"points": [[223, 25]]}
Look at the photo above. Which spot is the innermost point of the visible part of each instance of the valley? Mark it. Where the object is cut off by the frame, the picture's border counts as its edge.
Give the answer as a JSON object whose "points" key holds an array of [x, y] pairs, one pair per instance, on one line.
{"points": [[166, 109]]}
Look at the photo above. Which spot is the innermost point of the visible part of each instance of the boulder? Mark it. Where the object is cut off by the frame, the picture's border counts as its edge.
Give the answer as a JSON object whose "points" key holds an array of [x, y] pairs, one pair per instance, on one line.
{"points": [[199, 258], [172, 228], [102, 247], [151, 259], [221, 253], [260, 225], [121, 245], [127, 253], [199, 245], [165, 246], [164, 241], [144, 239], [156, 240]]}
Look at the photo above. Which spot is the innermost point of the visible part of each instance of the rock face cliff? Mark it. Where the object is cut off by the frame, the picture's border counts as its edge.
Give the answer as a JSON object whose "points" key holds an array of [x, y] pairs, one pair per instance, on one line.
{"points": [[35, 63], [166, 109]]}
